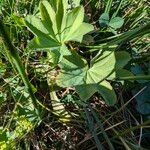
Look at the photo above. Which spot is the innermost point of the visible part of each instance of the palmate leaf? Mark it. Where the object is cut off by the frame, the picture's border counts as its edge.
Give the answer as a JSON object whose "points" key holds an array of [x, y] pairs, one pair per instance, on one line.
{"points": [[99, 70], [56, 26], [101, 67], [42, 43], [105, 65], [73, 70], [43, 37], [73, 21], [104, 88], [78, 35], [88, 80]]}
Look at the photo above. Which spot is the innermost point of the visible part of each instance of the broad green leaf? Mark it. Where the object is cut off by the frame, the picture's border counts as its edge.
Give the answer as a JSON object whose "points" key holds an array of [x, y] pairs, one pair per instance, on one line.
{"points": [[36, 26], [122, 58], [101, 68], [42, 43], [104, 88], [48, 13], [78, 35], [106, 65], [43, 39], [116, 22], [73, 22], [53, 3], [104, 20], [55, 56], [85, 91], [88, 80], [123, 73], [74, 67], [57, 25], [73, 71], [107, 92]]}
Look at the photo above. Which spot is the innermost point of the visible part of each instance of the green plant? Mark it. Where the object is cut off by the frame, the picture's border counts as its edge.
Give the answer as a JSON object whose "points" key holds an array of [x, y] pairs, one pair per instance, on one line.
{"points": [[78, 71], [75, 70], [57, 25], [12, 52]]}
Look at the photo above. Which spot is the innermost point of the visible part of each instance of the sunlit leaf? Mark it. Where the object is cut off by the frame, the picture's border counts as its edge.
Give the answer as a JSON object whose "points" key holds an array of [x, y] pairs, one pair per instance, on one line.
{"points": [[57, 25]]}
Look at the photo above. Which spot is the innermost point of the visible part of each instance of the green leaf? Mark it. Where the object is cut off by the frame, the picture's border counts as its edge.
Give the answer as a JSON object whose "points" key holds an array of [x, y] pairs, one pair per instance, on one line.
{"points": [[122, 58], [107, 92], [116, 22], [88, 80], [48, 14], [73, 21], [104, 88], [48, 17], [143, 100], [76, 2], [43, 39], [59, 14], [101, 67], [57, 25], [74, 67], [36, 26], [85, 91], [73, 71], [84, 29], [42, 43], [104, 20], [55, 56]]}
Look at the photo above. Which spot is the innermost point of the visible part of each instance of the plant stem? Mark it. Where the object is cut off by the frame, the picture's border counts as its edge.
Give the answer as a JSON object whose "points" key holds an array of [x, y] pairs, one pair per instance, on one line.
{"points": [[13, 53], [116, 12], [138, 77], [108, 6]]}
